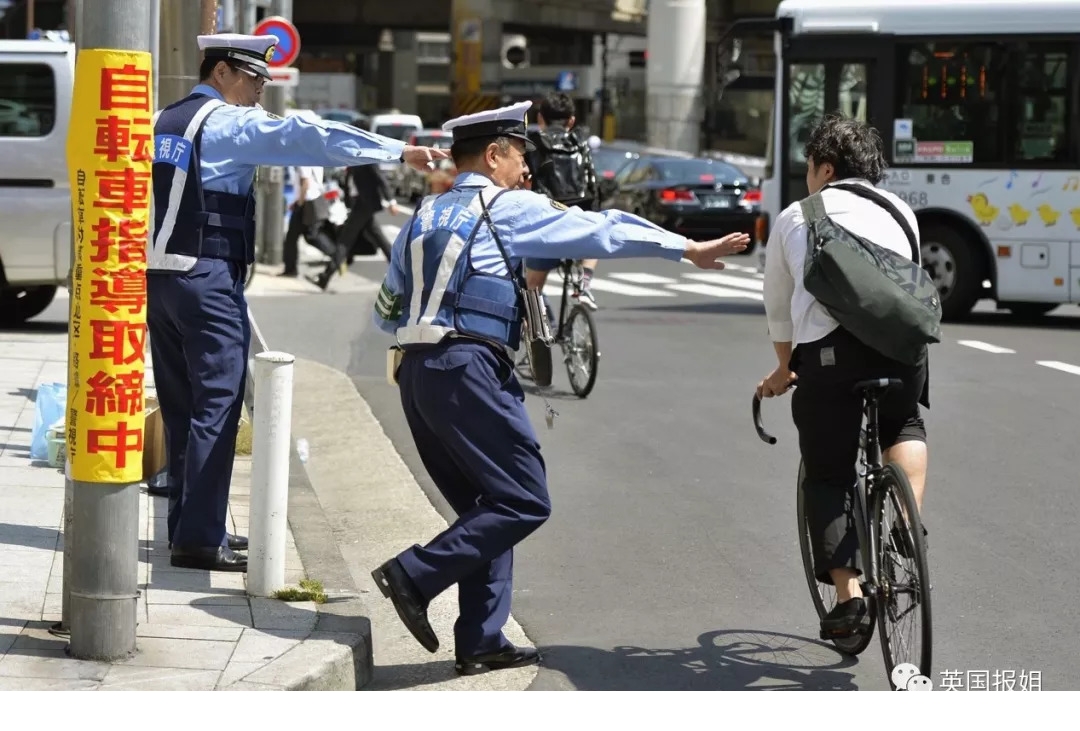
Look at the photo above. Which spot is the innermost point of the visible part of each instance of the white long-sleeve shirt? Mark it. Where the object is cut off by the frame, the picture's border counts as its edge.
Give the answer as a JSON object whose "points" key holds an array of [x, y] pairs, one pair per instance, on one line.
{"points": [[792, 313]]}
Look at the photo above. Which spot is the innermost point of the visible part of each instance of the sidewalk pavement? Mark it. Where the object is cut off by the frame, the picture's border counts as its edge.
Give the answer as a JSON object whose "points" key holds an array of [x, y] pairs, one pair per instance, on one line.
{"points": [[196, 630]]}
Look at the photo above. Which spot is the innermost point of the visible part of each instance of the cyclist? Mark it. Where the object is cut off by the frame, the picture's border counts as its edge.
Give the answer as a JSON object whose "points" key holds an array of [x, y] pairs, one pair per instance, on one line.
{"points": [[828, 360], [561, 168]]}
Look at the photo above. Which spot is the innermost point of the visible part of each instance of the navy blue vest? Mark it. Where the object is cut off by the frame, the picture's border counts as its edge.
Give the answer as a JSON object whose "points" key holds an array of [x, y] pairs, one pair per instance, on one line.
{"points": [[454, 299], [196, 222]]}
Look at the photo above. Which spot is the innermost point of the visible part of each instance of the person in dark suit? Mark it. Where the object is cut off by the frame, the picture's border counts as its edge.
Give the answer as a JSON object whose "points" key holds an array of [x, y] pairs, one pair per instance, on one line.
{"points": [[371, 192]]}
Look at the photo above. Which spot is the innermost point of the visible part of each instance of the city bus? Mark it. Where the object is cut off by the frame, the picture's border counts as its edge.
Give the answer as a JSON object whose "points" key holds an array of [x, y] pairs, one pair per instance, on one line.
{"points": [[978, 107]]}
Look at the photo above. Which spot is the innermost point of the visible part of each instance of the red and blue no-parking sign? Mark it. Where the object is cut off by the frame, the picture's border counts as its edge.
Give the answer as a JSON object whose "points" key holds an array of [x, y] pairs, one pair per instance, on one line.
{"points": [[288, 46]]}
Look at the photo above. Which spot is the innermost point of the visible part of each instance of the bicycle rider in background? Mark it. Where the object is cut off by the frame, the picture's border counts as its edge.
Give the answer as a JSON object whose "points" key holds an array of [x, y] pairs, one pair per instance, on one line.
{"points": [[828, 360], [561, 168]]}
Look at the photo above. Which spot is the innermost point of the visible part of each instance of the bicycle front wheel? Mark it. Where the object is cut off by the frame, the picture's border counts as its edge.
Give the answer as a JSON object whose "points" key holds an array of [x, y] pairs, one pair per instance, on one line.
{"points": [[824, 595], [580, 348], [903, 574]]}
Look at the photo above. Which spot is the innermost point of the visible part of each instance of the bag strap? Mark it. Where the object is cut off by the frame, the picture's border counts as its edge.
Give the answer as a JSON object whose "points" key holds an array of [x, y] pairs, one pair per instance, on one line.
{"points": [[813, 208], [515, 275], [865, 191]]}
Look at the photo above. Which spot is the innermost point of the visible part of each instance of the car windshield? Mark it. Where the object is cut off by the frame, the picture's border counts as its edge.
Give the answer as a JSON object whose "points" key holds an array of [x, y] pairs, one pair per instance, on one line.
{"points": [[396, 131], [697, 171], [608, 162]]}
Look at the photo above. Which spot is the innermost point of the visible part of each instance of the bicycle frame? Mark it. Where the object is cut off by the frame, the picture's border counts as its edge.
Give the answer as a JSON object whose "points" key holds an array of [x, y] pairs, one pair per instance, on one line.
{"points": [[567, 268], [865, 496]]}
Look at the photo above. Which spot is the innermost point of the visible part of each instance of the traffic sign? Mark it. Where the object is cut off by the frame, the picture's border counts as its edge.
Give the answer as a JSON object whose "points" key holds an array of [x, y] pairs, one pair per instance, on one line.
{"points": [[287, 76], [566, 81], [288, 47]]}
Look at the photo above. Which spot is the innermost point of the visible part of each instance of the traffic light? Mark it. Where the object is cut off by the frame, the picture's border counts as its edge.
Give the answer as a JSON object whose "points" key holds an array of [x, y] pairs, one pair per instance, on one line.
{"points": [[638, 59]]}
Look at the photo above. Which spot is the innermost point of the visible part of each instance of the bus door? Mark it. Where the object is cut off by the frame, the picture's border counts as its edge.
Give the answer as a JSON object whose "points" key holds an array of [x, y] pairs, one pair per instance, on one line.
{"points": [[825, 74]]}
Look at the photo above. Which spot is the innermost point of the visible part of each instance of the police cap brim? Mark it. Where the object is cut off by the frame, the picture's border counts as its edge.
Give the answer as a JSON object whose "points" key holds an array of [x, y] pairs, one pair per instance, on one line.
{"points": [[494, 129]]}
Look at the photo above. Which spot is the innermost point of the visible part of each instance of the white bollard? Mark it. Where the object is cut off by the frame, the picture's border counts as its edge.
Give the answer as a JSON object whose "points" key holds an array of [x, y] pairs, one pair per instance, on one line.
{"points": [[271, 442]]}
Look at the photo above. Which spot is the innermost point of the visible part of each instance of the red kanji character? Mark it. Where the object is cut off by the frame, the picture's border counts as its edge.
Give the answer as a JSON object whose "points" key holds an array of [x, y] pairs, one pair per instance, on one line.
{"points": [[125, 88], [124, 189], [130, 241], [120, 395], [119, 288], [115, 135], [123, 440], [111, 338]]}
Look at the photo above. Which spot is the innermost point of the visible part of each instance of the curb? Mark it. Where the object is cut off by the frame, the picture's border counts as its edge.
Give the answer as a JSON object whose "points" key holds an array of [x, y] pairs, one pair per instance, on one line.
{"points": [[337, 655]]}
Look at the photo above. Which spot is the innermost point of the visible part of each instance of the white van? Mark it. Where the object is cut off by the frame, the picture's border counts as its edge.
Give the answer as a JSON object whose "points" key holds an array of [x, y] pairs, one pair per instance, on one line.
{"points": [[399, 127], [36, 80]]}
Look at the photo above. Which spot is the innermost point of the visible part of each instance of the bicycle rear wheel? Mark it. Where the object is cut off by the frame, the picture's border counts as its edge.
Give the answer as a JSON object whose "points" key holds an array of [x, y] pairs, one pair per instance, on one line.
{"points": [[824, 595], [904, 617], [580, 349]]}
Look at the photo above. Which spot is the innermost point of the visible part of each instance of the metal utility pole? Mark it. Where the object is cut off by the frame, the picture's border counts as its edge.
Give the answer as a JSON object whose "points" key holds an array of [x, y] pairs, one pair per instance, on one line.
{"points": [[105, 554], [29, 17], [180, 24], [270, 209], [604, 103]]}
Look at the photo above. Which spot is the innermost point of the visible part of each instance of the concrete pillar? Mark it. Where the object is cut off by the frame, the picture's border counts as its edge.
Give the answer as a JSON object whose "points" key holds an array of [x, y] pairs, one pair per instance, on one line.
{"points": [[676, 62], [405, 74], [476, 29], [178, 64]]}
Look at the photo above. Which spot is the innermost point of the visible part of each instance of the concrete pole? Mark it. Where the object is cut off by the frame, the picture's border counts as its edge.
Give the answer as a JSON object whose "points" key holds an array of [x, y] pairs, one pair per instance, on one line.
{"points": [[63, 627], [105, 554], [271, 447], [180, 25], [270, 208], [676, 41]]}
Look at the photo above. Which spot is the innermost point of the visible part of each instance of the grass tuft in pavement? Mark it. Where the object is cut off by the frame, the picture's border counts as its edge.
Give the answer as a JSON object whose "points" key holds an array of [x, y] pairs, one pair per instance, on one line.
{"points": [[309, 591]]}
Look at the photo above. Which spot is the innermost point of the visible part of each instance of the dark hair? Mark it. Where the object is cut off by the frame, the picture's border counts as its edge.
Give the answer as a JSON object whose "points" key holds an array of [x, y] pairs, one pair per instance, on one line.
{"points": [[206, 68], [464, 151], [853, 148], [556, 107]]}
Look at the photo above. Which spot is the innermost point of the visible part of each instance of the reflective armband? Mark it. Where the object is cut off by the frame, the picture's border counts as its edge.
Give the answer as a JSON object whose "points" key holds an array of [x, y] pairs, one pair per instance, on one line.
{"points": [[388, 304]]}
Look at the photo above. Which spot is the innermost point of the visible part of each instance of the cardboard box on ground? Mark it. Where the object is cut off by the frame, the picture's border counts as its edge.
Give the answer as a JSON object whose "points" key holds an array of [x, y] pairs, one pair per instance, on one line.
{"points": [[153, 440]]}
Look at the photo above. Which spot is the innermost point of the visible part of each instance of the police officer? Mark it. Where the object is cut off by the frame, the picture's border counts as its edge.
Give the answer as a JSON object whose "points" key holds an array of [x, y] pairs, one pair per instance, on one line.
{"points": [[453, 298], [207, 147]]}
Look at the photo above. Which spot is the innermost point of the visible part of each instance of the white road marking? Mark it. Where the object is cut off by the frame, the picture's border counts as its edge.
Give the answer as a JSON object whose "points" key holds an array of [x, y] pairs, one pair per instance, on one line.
{"points": [[603, 285], [711, 290], [730, 265], [729, 279], [642, 278], [979, 345], [1059, 366]]}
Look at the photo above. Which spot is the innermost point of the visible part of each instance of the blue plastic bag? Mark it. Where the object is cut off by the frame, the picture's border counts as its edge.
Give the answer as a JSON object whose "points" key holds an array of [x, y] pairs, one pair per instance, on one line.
{"points": [[49, 408]]}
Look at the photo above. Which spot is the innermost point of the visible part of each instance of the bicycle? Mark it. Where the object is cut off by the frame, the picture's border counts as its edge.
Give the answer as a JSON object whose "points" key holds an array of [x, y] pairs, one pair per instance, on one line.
{"points": [[879, 486], [575, 333]]}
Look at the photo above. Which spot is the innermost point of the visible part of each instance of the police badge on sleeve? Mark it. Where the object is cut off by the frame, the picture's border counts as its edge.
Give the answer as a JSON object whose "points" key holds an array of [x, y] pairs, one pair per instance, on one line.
{"points": [[559, 206]]}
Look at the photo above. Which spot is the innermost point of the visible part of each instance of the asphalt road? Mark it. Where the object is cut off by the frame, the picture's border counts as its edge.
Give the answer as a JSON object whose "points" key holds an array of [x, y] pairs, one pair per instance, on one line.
{"points": [[671, 559]]}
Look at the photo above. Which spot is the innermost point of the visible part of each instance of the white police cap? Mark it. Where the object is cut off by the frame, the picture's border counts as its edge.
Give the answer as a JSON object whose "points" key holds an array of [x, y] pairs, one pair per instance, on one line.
{"points": [[254, 52], [503, 122]]}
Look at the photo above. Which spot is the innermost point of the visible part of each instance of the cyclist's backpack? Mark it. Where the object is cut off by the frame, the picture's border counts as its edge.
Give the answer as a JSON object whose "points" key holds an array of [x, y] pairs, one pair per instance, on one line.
{"points": [[565, 172], [885, 300]]}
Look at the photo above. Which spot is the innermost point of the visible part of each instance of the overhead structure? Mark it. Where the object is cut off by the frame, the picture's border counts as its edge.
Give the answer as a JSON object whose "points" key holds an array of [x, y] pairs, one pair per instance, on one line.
{"points": [[675, 32]]}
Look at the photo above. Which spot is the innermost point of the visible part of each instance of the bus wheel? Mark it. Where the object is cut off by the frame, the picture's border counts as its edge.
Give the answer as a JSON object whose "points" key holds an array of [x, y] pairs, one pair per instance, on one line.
{"points": [[955, 267]]}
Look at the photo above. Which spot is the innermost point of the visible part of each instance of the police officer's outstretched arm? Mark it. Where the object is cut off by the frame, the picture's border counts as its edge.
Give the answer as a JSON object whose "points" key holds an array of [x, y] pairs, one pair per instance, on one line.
{"points": [[541, 228], [257, 137]]}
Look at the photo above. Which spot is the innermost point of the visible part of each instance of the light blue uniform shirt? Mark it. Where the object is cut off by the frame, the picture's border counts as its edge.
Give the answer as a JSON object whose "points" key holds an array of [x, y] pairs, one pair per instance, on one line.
{"points": [[236, 140], [531, 226]]}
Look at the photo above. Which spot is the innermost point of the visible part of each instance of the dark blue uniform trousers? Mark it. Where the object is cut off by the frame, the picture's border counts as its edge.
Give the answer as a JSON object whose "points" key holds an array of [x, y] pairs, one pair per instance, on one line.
{"points": [[199, 338], [467, 415]]}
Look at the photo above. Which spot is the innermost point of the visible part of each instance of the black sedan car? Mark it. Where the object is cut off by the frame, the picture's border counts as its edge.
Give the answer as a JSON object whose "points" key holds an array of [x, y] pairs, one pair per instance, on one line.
{"points": [[696, 197]]}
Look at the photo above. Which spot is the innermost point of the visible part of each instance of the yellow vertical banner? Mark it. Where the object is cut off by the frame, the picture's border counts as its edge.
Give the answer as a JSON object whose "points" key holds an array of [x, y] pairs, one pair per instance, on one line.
{"points": [[109, 154]]}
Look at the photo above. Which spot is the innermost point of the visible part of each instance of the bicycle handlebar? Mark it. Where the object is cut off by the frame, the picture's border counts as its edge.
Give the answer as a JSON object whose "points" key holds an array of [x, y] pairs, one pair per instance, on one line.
{"points": [[756, 410]]}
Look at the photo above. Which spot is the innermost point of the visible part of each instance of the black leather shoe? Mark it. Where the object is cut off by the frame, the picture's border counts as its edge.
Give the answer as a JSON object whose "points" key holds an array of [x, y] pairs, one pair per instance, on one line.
{"points": [[159, 491], [396, 586], [208, 559], [515, 657], [237, 543]]}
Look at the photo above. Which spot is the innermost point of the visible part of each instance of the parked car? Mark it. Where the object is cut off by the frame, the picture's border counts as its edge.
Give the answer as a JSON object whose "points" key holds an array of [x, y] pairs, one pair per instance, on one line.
{"points": [[696, 197]]}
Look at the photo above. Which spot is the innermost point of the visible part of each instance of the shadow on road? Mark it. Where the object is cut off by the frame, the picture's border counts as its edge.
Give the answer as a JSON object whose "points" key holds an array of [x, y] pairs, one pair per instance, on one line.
{"points": [[723, 660]]}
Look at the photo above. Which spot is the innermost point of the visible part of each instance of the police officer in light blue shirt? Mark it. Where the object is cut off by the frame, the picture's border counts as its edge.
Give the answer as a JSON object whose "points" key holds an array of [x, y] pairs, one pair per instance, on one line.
{"points": [[207, 147], [453, 298]]}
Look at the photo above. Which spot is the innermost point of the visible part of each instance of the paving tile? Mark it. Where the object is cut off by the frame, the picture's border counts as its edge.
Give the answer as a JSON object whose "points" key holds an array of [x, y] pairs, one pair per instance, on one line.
{"points": [[270, 614], [10, 629], [199, 616], [164, 652], [129, 677], [35, 636], [49, 664], [221, 597], [31, 476], [256, 646], [22, 608], [196, 581], [46, 684], [236, 671], [190, 632]]}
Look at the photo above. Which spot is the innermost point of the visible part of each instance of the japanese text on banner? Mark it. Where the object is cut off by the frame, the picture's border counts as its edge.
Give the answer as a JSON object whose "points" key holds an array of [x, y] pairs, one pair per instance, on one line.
{"points": [[110, 153]]}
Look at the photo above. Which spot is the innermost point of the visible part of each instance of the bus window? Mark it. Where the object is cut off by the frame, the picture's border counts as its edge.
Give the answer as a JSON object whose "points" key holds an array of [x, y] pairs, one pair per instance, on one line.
{"points": [[951, 92], [806, 103], [1041, 103], [853, 97]]}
